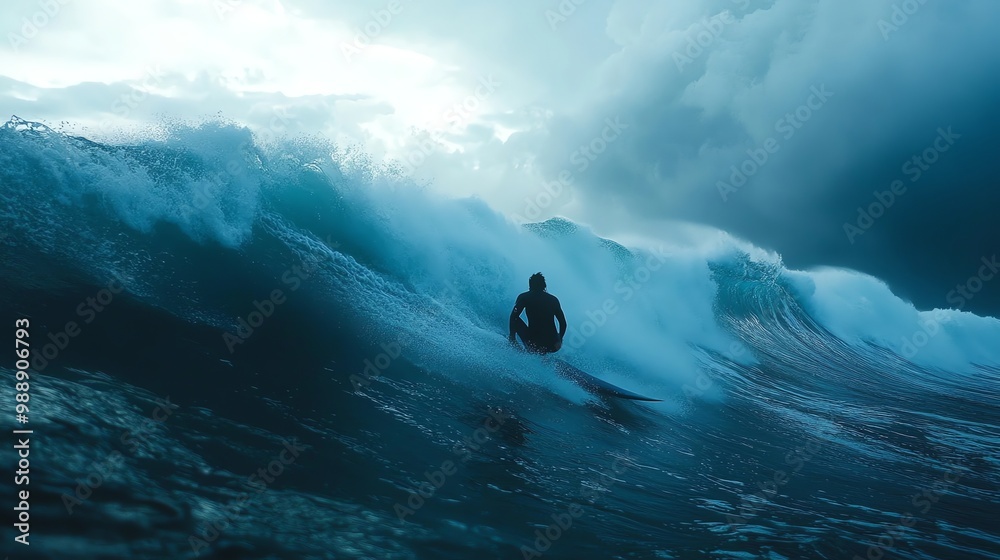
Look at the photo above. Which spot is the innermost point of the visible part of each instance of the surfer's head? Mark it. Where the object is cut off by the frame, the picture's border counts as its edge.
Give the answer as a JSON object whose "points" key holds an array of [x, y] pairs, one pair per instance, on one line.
{"points": [[536, 282]]}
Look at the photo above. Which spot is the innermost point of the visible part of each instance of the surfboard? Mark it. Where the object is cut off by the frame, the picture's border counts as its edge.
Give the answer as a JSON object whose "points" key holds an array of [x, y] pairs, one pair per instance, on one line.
{"points": [[595, 385]]}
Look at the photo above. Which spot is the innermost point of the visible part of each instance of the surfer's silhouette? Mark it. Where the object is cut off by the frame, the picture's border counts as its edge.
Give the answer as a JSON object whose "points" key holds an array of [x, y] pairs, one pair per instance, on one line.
{"points": [[539, 334]]}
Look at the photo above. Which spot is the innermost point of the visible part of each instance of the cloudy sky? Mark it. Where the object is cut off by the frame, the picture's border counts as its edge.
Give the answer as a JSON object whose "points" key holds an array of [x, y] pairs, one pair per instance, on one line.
{"points": [[774, 120]]}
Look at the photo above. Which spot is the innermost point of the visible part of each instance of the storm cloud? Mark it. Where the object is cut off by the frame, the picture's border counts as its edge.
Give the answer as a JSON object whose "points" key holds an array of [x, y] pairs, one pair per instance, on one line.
{"points": [[855, 134], [849, 133]]}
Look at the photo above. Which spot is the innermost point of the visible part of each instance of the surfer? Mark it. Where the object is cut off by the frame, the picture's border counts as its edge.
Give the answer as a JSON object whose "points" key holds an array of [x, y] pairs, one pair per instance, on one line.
{"points": [[539, 334]]}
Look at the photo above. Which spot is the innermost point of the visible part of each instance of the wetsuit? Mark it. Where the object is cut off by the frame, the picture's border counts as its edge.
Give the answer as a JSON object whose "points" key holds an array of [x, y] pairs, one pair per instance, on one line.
{"points": [[539, 334]]}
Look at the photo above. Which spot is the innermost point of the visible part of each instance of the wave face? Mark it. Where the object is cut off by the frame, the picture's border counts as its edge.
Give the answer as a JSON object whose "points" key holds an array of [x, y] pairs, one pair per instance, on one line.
{"points": [[282, 354]]}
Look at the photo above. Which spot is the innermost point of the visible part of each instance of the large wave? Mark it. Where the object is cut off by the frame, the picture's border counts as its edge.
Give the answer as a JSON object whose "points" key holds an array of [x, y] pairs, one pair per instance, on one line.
{"points": [[181, 215]]}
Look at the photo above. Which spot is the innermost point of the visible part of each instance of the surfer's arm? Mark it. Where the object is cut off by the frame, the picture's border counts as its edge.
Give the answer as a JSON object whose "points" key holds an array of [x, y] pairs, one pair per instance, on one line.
{"points": [[515, 314], [562, 321]]}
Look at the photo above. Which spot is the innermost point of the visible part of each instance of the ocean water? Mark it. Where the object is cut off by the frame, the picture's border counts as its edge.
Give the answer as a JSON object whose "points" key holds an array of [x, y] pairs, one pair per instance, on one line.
{"points": [[276, 352]]}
